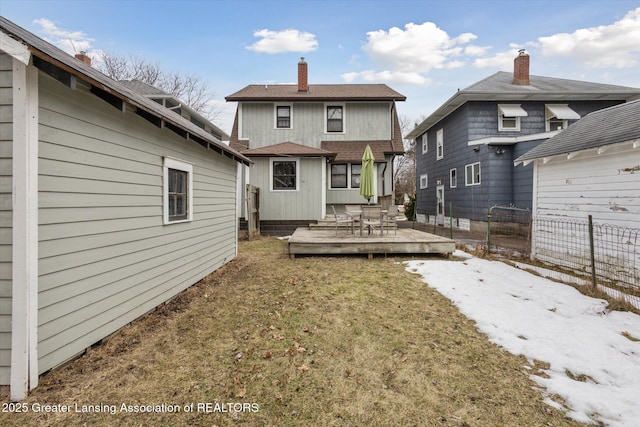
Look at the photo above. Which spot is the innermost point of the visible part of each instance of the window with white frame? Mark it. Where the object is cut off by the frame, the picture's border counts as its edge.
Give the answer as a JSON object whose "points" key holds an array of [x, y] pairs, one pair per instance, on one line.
{"points": [[472, 174], [334, 122], [422, 140], [509, 117], [557, 116], [177, 193], [284, 175], [424, 181], [440, 144], [453, 178], [283, 116], [345, 175]]}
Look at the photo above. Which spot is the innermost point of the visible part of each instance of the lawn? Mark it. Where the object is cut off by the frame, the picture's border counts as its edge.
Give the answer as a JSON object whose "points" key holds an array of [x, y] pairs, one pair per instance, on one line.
{"points": [[314, 341]]}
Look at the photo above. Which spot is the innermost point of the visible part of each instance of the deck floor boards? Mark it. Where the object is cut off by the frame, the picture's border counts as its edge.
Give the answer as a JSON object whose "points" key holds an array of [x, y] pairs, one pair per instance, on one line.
{"points": [[306, 241]]}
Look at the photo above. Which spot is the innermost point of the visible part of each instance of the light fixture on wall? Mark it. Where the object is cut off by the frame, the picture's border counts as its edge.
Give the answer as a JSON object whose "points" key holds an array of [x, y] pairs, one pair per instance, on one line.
{"points": [[476, 149], [499, 151]]}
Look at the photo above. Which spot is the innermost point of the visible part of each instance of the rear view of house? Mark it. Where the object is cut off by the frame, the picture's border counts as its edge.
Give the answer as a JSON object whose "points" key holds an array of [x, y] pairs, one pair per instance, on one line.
{"points": [[307, 142], [111, 204]]}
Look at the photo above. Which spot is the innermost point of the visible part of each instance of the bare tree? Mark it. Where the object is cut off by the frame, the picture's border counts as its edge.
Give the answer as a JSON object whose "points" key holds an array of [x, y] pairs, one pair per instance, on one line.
{"points": [[188, 88], [405, 178]]}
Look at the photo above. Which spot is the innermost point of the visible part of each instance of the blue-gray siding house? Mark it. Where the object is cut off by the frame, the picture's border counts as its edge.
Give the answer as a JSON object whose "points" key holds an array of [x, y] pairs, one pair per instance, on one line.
{"points": [[465, 150]]}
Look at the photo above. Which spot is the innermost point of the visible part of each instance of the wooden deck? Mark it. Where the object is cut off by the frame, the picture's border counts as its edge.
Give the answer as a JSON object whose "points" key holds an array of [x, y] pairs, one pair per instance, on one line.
{"points": [[306, 241]]}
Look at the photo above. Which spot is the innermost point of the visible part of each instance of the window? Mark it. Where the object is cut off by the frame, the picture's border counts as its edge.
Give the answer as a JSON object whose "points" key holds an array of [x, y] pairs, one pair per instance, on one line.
{"points": [[177, 191], [453, 178], [345, 176], [284, 175], [557, 116], [283, 116], [338, 176], [422, 140], [439, 144], [335, 118], [509, 117], [424, 181], [472, 174]]}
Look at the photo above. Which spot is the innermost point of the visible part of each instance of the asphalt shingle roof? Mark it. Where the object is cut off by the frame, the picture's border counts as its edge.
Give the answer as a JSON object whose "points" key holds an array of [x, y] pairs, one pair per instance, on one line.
{"points": [[613, 125], [342, 92]]}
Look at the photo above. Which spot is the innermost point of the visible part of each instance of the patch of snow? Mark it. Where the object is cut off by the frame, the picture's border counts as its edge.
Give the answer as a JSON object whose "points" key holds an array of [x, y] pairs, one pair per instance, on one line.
{"points": [[592, 365]]}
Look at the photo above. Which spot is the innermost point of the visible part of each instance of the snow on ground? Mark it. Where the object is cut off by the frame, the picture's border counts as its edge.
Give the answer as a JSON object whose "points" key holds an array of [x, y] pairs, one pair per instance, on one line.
{"points": [[592, 352]]}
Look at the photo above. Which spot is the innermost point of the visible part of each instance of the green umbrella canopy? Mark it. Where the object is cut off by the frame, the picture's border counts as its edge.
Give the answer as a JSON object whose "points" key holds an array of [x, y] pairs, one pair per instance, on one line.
{"points": [[366, 174]]}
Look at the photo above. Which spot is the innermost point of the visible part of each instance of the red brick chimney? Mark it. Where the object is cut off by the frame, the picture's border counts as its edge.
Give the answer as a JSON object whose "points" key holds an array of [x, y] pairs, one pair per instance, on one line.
{"points": [[303, 76], [521, 68], [82, 56]]}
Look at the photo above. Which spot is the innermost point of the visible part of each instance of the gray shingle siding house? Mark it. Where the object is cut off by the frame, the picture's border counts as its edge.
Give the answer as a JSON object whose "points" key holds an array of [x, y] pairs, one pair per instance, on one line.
{"points": [[466, 148], [110, 204]]}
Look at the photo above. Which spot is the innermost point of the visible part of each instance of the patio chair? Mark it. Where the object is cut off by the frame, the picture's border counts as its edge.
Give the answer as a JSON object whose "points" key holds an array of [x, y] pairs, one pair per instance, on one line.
{"points": [[390, 219], [372, 218], [342, 219]]}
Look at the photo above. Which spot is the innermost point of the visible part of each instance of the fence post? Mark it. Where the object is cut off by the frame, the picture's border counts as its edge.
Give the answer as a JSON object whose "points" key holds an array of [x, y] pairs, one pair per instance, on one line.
{"points": [[488, 230], [593, 257]]}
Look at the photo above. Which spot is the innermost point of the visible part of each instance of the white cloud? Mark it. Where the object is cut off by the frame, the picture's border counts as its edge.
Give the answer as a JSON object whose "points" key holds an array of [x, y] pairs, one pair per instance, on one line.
{"points": [[71, 42], [407, 55], [616, 45], [502, 60], [283, 41], [387, 76]]}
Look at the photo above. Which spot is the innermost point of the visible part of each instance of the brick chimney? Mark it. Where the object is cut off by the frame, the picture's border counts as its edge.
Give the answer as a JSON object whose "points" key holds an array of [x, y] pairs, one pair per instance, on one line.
{"points": [[303, 76], [521, 69], [82, 56]]}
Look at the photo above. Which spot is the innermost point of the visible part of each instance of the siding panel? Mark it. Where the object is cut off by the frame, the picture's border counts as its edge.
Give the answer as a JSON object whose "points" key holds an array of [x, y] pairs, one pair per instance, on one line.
{"points": [[105, 256], [6, 214]]}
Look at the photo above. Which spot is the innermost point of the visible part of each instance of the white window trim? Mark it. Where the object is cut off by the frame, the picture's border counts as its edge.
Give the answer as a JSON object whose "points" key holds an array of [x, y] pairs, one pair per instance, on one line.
{"points": [[344, 117], [284, 159], [171, 163], [466, 174], [425, 143], [562, 108], [451, 183], [501, 116], [275, 115], [440, 144], [424, 178]]}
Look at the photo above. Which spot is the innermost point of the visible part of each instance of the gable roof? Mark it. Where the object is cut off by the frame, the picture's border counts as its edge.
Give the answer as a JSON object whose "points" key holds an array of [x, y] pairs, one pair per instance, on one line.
{"points": [[603, 127], [112, 90], [328, 92], [500, 87]]}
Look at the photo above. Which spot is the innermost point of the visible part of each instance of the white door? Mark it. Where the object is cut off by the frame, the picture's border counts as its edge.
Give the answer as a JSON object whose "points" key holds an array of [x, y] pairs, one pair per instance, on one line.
{"points": [[440, 205]]}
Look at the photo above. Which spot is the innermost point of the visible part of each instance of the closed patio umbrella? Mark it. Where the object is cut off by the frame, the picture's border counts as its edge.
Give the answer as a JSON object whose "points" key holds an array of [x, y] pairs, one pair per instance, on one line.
{"points": [[366, 174]]}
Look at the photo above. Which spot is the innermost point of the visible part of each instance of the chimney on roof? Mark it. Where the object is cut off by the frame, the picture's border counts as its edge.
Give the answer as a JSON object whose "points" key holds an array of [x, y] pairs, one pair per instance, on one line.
{"points": [[521, 68], [82, 56], [303, 76]]}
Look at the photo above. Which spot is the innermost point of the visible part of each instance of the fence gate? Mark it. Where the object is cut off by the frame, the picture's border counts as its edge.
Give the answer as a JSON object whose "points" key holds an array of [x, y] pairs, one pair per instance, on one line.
{"points": [[252, 197]]}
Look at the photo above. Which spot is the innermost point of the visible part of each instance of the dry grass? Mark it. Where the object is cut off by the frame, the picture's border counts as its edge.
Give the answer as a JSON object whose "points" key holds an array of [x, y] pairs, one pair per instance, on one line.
{"points": [[312, 341]]}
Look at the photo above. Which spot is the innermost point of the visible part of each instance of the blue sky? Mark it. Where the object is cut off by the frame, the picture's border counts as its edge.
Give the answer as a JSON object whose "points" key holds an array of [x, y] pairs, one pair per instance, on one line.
{"points": [[425, 50]]}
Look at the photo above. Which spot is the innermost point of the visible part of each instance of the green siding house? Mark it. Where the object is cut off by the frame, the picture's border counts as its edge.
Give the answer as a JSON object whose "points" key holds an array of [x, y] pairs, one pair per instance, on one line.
{"points": [[307, 141], [110, 204]]}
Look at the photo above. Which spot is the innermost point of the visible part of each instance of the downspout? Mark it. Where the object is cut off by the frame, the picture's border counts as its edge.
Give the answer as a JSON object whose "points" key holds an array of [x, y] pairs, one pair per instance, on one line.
{"points": [[384, 193]]}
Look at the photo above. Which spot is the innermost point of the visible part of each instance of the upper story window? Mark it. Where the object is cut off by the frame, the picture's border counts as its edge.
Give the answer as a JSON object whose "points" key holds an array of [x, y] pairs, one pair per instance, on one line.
{"points": [[177, 191], [335, 118], [284, 175], [557, 116], [422, 140], [439, 144], [283, 116], [509, 117]]}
